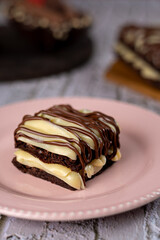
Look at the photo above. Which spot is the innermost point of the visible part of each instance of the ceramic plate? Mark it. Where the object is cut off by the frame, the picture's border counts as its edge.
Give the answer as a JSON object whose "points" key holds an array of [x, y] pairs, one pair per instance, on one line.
{"points": [[128, 184]]}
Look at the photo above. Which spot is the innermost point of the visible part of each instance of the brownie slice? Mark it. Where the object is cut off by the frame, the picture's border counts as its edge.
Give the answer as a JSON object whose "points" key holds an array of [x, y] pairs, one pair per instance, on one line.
{"points": [[72, 146], [139, 46]]}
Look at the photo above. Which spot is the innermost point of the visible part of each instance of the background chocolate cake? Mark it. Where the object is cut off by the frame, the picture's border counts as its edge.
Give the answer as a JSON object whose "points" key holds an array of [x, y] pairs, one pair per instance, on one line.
{"points": [[48, 37]]}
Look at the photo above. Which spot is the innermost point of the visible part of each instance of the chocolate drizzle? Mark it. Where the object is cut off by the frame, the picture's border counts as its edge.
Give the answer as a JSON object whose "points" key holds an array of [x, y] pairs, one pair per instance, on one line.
{"points": [[96, 126]]}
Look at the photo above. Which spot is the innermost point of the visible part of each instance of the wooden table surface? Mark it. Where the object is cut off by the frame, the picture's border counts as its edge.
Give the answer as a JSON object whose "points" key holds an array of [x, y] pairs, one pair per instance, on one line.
{"points": [[109, 15]]}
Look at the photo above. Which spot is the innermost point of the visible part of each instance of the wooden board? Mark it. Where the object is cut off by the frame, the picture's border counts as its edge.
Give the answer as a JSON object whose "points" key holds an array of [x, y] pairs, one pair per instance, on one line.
{"points": [[123, 74]]}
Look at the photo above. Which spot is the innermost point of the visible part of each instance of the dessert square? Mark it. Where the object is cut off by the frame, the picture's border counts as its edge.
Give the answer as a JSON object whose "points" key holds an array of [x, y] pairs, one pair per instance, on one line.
{"points": [[66, 146]]}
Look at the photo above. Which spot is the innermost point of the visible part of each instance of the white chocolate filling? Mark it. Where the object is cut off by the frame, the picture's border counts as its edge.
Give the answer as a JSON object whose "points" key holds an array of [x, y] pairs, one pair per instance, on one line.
{"points": [[44, 126], [70, 177], [147, 71], [95, 166], [117, 156]]}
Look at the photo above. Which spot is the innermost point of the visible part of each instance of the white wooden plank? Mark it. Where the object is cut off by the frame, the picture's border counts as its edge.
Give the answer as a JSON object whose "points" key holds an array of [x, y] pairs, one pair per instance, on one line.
{"points": [[123, 226]]}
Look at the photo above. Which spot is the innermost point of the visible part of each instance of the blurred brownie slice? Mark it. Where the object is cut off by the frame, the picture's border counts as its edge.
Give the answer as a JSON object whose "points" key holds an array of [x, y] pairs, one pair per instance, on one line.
{"points": [[139, 46]]}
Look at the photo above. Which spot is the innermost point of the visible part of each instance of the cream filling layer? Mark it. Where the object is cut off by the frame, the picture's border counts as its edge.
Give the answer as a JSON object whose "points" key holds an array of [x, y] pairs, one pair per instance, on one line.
{"points": [[117, 156], [47, 127], [70, 177], [95, 166], [147, 71]]}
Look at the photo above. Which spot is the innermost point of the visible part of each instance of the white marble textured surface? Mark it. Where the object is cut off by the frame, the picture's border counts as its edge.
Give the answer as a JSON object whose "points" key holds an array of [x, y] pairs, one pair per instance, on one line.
{"points": [[109, 15]]}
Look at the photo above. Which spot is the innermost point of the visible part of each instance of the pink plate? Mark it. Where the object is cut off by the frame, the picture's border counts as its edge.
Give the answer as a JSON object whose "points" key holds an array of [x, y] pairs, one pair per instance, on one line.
{"points": [[128, 184]]}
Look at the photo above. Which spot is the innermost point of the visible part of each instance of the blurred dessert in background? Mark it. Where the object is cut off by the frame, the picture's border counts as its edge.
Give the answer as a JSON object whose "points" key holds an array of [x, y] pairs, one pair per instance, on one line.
{"points": [[43, 37], [139, 46], [48, 22]]}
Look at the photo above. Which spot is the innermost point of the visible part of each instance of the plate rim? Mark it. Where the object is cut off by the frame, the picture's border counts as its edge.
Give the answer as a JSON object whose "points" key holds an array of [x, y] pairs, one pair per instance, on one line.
{"points": [[87, 214], [81, 215]]}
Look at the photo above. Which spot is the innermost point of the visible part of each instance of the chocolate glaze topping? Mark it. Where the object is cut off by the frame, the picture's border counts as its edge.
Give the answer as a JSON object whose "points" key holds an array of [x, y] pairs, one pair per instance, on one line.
{"points": [[101, 128]]}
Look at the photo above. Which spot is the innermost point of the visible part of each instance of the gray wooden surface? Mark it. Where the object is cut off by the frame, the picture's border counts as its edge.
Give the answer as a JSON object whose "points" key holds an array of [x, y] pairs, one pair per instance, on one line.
{"points": [[142, 223]]}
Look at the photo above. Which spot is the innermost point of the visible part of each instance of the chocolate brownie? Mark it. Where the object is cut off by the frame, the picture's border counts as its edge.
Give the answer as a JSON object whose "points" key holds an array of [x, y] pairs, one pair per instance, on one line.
{"points": [[70, 145], [139, 46]]}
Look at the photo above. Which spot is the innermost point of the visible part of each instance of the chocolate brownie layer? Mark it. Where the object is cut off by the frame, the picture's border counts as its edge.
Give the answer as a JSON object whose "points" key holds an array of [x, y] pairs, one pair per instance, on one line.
{"points": [[48, 157], [40, 174]]}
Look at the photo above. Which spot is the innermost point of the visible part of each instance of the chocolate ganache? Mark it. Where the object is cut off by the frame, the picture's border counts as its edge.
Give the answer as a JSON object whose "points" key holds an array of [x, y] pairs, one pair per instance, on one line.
{"points": [[79, 136]]}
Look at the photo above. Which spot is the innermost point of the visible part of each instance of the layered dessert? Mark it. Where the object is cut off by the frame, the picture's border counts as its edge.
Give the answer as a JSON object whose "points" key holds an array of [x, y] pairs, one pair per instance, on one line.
{"points": [[66, 146], [139, 46]]}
